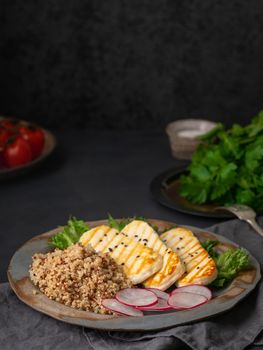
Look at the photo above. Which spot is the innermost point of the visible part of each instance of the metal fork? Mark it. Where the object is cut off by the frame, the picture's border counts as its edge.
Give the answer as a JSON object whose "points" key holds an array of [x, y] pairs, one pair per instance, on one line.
{"points": [[243, 212]]}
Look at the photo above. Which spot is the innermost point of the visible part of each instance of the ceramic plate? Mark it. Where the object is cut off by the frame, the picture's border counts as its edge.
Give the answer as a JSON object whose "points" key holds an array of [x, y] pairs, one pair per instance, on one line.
{"points": [[49, 146], [222, 301], [165, 189]]}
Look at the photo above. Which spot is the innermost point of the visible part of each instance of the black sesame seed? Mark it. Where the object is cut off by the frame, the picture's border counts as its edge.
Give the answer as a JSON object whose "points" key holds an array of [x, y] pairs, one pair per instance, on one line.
{"points": [[122, 243], [137, 256], [196, 252], [116, 246], [100, 240], [116, 233], [110, 249], [180, 238], [122, 264], [178, 248], [145, 244], [125, 246], [140, 240], [169, 252], [145, 240], [136, 236], [191, 255], [164, 240], [197, 268], [105, 235]]}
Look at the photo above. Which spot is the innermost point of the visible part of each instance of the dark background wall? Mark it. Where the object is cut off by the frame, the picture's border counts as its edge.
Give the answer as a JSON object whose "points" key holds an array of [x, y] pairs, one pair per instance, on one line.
{"points": [[130, 63]]}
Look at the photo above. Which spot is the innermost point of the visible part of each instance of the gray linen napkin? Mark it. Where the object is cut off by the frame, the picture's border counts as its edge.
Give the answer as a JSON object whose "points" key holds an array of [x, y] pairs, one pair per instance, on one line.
{"points": [[24, 328]]}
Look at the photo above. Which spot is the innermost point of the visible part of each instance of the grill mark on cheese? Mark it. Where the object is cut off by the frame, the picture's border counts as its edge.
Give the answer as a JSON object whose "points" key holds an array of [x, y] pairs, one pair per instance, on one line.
{"points": [[198, 262], [98, 236], [203, 272], [109, 235], [122, 247], [129, 253], [142, 232], [188, 248], [130, 258], [199, 266], [91, 235], [190, 255], [190, 276]]}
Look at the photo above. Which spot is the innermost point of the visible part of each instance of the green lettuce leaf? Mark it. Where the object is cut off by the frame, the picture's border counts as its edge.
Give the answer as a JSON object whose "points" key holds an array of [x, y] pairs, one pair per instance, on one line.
{"points": [[70, 234], [228, 263]]}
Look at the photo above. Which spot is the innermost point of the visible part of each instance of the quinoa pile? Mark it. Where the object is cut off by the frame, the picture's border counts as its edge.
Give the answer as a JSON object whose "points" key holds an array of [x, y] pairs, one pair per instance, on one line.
{"points": [[78, 277]]}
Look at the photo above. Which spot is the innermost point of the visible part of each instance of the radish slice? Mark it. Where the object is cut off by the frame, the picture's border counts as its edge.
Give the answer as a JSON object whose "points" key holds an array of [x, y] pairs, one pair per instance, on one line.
{"points": [[136, 297], [119, 308], [159, 293], [161, 305], [195, 289], [185, 300]]}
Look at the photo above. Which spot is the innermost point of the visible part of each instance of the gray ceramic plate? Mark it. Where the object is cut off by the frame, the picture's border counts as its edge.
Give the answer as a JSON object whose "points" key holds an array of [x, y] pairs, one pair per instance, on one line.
{"points": [[49, 146], [221, 302]]}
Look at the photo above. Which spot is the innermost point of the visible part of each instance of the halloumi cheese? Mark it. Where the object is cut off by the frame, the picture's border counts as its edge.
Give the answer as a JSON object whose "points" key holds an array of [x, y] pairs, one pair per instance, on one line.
{"points": [[139, 262], [200, 267], [172, 268]]}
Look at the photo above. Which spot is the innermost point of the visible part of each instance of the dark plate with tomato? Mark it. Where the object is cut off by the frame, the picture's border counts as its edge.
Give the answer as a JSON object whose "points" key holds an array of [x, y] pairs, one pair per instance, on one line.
{"points": [[23, 146]]}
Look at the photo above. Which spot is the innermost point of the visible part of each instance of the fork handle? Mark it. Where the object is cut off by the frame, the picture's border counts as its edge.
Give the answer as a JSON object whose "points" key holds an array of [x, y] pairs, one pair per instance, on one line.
{"points": [[255, 226]]}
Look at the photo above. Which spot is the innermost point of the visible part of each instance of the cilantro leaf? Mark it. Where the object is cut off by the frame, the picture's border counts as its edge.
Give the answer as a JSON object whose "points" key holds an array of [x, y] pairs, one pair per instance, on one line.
{"points": [[212, 133], [227, 167], [253, 155]]}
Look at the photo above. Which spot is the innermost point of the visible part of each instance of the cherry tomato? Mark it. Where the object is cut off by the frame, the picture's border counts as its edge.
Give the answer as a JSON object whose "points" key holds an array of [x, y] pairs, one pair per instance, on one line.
{"points": [[2, 161], [17, 152], [8, 124], [4, 137], [35, 137]]}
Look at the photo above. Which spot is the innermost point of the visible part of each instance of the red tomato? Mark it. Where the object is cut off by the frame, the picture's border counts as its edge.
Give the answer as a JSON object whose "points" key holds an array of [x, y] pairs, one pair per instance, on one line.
{"points": [[2, 161], [4, 137], [17, 153], [35, 137], [8, 124]]}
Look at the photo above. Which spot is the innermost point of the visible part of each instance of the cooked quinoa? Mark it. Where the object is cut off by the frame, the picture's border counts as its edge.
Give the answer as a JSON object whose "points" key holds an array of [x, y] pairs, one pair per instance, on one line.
{"points": [[78, 277]]}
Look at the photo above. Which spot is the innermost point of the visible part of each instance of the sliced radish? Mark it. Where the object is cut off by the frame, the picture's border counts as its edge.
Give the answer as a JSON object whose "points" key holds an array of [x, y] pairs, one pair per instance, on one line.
{"points": [[136, 297], [119, 308], [195, 289], [185, 300], [159, 293], [161, 305]]}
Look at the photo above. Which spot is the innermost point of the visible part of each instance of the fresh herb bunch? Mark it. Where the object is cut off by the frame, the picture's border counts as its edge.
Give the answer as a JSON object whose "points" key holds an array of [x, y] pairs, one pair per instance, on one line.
{"points": [[70, 233], [227, 167], [228, 263]]}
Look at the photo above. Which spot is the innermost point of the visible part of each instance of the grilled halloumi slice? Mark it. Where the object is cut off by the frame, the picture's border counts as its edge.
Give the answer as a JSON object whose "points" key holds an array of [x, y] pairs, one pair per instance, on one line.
{"points": [[172, 268], [200, 267], [138, 261]]}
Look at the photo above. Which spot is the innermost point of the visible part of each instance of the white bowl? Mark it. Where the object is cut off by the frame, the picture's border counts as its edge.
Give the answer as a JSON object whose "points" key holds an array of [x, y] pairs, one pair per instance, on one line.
{"points": [[183, 135]]}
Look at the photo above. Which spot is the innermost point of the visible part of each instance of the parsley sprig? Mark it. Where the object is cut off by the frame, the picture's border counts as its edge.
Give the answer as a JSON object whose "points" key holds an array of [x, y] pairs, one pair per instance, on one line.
{"points": [[227, 167]]}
